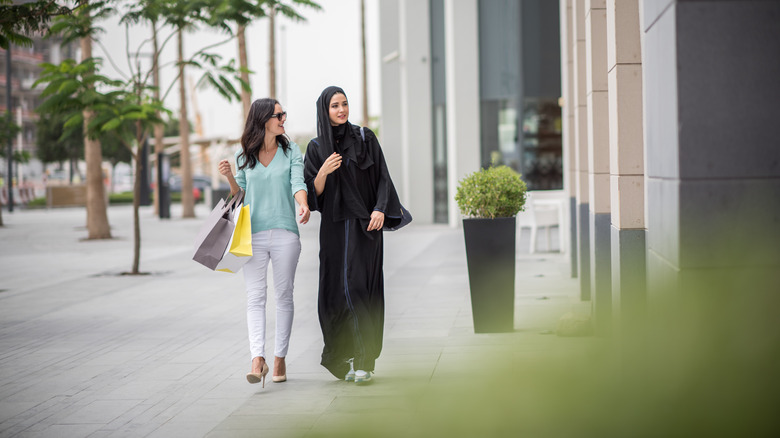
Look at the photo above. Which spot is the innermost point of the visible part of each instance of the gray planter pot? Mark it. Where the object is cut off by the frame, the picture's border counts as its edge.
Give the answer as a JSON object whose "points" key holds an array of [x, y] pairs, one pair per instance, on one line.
{"points": [[490, 254]]}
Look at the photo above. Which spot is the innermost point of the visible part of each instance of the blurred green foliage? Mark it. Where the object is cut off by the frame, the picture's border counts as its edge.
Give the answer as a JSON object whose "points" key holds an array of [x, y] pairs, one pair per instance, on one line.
{"points": [[704, 364]]}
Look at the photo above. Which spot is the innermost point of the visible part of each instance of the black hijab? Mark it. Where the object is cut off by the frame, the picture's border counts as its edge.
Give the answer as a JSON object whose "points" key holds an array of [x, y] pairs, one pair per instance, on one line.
{"points": [[344, 139]]}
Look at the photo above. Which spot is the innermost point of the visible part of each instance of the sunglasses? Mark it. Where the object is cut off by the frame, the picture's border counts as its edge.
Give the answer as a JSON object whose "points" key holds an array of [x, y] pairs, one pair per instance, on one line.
{"points": [[279, 116]]}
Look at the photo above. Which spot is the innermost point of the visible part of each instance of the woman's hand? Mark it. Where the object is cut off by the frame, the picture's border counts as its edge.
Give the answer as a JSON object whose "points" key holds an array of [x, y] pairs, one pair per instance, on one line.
{"points": [[303, 213], [227, 171], [332, 163], [377, 221], [224, 168], [303, 206]]}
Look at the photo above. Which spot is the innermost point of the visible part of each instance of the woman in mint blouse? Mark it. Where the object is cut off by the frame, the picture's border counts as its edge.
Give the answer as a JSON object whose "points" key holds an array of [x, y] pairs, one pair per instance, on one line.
{"points": [[270, 171]]}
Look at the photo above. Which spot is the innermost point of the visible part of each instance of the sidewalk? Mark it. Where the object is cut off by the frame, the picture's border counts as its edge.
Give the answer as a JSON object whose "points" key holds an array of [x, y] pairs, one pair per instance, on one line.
{"points": [[85, 351]]}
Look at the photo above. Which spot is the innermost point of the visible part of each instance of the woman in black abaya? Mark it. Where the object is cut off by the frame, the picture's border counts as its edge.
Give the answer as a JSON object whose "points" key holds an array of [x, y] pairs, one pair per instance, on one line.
{"points": [[350, 186]]}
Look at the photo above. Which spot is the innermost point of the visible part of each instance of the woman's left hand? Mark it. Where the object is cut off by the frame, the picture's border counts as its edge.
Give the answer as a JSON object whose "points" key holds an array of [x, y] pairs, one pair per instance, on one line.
{"points": [[377, 221], [303, 214]]}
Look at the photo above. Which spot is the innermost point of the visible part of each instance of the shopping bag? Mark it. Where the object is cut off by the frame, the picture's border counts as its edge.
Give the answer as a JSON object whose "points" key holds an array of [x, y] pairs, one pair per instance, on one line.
{"points": [[216, 232], [239, 249]]}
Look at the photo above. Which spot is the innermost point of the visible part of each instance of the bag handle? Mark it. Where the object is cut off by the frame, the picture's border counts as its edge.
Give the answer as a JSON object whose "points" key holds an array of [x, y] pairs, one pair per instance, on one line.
{"points": [[235, 200]]}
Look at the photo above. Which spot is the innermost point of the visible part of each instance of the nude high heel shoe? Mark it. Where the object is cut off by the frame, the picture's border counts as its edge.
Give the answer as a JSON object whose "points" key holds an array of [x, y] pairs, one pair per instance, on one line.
{"points": [[258, 377], [283, 377]]}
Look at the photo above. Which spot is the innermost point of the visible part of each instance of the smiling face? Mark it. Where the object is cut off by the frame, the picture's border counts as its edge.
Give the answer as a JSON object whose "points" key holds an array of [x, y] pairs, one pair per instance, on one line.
{"points": [[338, 110], [274, 126]]}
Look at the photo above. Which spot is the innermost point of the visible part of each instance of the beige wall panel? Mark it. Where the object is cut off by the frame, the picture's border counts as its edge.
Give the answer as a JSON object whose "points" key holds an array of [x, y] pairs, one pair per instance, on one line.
{"points": [[596, 50], [581, 80], [623, 35], [583, 190], [625, 120], [598, 132], [579, 19], [628, 201], [599, 190], [581, 140], [595, 4]]}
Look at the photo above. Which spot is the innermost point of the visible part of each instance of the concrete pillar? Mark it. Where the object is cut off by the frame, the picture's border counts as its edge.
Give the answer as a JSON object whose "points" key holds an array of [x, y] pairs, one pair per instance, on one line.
{"points": [[598, 163], [413, 180], [713, 163], [390, 136], [626, 164], [581, 146], [568, 111], [463, 122]]}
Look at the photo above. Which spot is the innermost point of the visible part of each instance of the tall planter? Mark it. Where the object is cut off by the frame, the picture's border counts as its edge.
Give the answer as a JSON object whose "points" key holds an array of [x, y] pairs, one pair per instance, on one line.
{"points": [[490, 254]]}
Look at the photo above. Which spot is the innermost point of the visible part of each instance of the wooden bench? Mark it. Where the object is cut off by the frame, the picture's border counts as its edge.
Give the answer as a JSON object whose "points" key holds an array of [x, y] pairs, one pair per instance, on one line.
{"points": [[66, 196]]}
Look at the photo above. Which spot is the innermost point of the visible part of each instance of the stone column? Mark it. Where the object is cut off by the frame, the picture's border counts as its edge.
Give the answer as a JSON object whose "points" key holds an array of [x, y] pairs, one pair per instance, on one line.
{"points": [[463, 122], [626, 164], [568, 111], [598, 163], [581, 145], [711, 74], [390, 135], [413, 179]]}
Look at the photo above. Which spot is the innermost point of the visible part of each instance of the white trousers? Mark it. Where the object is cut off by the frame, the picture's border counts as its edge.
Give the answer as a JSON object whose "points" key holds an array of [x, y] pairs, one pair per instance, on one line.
{"points": [[282, 248]]}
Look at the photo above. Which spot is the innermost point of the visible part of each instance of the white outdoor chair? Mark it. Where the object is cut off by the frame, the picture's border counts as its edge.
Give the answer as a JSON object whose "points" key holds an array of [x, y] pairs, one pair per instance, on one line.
{"points": [[543, 209]]}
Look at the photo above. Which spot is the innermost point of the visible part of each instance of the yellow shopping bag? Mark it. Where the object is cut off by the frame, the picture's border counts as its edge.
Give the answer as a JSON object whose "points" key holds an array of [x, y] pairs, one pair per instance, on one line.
{"points": [[239, 250]]}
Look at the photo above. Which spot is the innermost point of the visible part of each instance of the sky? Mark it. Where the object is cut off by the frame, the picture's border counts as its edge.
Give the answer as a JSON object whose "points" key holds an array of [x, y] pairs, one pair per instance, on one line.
{"points": [[325, 50]]}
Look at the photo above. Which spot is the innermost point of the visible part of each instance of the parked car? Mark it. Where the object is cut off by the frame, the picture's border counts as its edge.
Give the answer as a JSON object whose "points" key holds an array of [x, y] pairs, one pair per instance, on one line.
{"points": [[200, 183]]}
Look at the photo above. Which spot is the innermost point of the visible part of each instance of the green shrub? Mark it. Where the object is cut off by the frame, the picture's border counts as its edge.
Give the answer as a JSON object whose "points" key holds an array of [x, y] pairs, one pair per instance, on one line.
{"points": [[37, 203], [491, 193], [127, 198], [120, 198]]}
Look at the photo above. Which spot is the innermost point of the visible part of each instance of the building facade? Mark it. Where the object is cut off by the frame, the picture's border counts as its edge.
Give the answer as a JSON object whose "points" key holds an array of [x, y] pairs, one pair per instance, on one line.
{"points": [[664, 137], [25, 70], [457, 101]]}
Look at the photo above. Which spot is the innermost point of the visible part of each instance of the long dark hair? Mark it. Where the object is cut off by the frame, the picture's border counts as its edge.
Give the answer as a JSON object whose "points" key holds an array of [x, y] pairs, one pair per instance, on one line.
{"points": [[253, 139]]}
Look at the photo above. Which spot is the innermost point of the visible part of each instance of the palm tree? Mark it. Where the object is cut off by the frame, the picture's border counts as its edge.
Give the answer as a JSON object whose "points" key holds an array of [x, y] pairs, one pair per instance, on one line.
{"points": [[181, 15], [150, 11], [80, 26], [242, 13], [158, 128]]}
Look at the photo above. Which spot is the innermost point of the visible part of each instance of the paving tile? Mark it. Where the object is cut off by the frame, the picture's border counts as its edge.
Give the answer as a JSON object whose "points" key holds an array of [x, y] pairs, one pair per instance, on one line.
{"points": [[86, 352], [64, 430]]}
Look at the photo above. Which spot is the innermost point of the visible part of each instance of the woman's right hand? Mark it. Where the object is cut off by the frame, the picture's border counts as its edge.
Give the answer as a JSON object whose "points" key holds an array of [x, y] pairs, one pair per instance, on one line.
{"points": [[224, 168], [332, 163]]}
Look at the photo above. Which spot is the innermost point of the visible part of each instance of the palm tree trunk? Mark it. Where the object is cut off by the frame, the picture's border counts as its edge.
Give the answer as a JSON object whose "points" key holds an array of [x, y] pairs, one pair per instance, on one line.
{"points": [[187, 198], [365, 74], [246, 98], [137, 204], [272, 53], [158, 129], [97, 216]]}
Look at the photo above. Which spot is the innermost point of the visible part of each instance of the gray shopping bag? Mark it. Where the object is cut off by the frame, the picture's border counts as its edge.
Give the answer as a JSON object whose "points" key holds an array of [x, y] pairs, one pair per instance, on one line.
{"points": [[215, 233]]}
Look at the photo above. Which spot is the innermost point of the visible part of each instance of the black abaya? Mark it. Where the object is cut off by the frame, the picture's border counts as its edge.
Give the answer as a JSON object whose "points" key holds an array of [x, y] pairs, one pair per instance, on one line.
{"points": [[351, 289]]}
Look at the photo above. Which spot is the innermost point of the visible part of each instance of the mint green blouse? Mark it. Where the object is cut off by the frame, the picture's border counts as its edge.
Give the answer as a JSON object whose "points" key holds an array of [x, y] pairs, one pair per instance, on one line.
{"points": [[269, 190]]}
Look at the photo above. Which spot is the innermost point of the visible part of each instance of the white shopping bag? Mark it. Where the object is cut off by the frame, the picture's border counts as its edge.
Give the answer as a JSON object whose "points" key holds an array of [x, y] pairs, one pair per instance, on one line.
{"points": [[239, 249]]}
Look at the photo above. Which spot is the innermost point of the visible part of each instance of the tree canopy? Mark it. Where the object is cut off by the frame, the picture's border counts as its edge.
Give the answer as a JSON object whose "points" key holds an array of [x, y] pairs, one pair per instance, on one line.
{"points": [[19, 21]]}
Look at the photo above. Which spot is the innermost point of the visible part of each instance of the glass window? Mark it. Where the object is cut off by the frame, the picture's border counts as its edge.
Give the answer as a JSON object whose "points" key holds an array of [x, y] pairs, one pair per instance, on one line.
{"points": [[519, 89]]}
